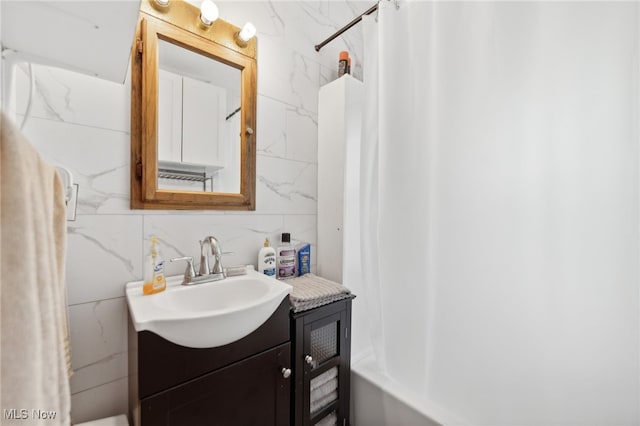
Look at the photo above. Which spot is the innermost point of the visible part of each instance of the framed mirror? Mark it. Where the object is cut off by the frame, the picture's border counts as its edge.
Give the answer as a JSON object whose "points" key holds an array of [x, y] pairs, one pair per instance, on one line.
{"points": [[193, 109]]}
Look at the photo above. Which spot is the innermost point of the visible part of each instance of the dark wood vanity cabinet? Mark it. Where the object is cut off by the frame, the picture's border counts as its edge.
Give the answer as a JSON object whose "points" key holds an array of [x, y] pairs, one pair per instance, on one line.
{"points": [[321, 344], [244, 383], [293, 370], [249, 392]]}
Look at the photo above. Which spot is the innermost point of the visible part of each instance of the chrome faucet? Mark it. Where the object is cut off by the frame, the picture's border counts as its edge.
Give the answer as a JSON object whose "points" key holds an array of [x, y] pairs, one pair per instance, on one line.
{"points": [[205, 273], [214, 245]]}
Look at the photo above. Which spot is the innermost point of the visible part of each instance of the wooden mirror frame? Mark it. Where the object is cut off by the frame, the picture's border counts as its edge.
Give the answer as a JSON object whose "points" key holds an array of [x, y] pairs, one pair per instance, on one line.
{"points": [[179, 23]]}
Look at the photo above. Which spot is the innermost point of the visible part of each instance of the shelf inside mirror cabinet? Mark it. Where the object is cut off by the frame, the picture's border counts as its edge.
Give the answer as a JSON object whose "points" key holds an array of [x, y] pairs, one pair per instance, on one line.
{"points": [[187, 172]]}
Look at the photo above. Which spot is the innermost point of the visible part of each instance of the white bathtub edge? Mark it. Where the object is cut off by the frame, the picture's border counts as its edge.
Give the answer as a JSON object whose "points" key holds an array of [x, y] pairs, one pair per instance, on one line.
{"points": [[366, 368]]}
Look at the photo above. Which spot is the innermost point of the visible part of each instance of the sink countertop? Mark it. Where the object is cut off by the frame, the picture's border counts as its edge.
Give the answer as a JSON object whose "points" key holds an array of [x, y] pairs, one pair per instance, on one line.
{"points": [[209, 314]]}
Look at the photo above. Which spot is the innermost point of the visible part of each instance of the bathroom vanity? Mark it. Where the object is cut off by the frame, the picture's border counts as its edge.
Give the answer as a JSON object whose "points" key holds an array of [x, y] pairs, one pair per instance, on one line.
{"points": [[231, 352], [246, 382]]}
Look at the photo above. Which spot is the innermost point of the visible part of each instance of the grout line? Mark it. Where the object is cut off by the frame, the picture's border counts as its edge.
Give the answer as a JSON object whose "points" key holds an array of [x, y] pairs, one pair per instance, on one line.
{"points": [[142, 248], [100, 361], [258, 153], [97, 300], [77, 124], [287, 103], [101, 384]]}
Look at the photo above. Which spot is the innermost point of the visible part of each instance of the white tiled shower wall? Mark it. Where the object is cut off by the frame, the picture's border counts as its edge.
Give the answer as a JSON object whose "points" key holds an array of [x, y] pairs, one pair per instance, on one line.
{"points": [[82, 123]]}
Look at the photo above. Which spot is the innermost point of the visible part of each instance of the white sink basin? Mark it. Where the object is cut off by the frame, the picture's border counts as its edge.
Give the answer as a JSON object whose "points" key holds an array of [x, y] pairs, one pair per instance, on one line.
{"points": [[209, 314]]}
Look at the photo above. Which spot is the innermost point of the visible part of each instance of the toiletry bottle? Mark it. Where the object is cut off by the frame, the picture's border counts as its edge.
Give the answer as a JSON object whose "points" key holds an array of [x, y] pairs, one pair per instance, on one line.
{"points": [[303, 255], [348, 66], [154, 281], [286, 258], [267, 259], [343, 63]]}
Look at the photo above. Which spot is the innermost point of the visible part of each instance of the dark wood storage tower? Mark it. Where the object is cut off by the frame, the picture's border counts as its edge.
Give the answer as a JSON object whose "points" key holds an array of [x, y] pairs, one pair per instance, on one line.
{"points": [[321, 344]]}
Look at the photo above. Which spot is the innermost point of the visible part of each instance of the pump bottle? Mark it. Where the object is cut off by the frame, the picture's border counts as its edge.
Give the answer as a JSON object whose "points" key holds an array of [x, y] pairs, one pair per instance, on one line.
{"points": [[267, 259], [154, 281]]}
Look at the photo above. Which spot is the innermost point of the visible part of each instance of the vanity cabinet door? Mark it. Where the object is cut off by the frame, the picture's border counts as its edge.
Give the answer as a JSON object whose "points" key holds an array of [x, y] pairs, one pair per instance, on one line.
{"points": [[321, 363], [251, 392]]}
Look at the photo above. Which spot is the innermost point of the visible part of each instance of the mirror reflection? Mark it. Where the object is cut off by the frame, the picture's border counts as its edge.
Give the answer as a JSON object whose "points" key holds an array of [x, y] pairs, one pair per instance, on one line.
{"points": [[199, 142]]}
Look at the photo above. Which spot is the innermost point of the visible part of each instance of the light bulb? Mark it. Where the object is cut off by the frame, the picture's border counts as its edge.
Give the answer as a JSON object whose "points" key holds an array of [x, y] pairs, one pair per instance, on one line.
{"points": [[247, 32], [208, 12]]}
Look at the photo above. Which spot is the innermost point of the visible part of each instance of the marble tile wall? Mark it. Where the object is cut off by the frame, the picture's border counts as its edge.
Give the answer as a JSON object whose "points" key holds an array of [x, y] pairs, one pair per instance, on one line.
{"points": [[82, 123]]}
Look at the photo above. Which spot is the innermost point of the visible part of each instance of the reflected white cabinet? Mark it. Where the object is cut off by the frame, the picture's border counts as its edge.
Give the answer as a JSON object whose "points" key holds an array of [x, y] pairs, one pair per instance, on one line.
{"points": [[203, 121], [170, 117], [191, 120]]}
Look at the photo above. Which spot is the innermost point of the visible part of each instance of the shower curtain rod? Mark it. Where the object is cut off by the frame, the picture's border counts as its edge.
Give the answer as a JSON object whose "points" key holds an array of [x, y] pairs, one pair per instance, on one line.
{"points": [[346, 27]]}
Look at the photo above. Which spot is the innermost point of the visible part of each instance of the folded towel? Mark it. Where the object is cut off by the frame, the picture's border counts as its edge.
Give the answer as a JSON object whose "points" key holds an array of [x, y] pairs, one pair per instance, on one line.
{"points": [[330, 420], [310, 291], [324, 390], [320, 403], [34, 329], [323, 378]]}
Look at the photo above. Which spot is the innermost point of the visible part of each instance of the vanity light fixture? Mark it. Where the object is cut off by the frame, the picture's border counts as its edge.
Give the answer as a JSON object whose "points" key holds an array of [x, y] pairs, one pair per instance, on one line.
{"points": [[246, 33], [208, 12]]}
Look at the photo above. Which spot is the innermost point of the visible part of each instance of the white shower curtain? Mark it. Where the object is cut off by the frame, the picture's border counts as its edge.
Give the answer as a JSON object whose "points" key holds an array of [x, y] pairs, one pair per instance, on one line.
{"points": [[499, 176], [392, 254], [369, 195]]}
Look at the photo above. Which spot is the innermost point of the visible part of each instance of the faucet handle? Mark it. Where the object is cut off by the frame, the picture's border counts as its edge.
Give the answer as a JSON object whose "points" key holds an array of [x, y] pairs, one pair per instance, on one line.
{"points": [[190, 272]]}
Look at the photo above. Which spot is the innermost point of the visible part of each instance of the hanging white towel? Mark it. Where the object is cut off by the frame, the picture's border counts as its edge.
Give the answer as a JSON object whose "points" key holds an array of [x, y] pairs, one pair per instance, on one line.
{"points": [[34, 329]]}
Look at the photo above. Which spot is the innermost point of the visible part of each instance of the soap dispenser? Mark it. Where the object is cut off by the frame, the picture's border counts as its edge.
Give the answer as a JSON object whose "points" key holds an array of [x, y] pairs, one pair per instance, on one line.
{"points": [[154, 281], [267, 259]]}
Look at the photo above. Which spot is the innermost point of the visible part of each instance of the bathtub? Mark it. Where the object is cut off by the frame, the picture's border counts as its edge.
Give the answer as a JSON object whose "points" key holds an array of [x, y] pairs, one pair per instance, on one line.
{"points": [[378, 401]]}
